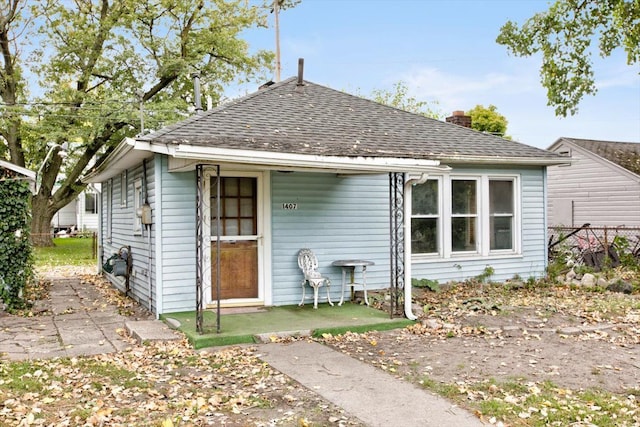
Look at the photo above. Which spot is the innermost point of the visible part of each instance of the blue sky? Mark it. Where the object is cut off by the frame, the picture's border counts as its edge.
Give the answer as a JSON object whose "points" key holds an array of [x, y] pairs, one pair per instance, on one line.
{"points": [[445, 51]]}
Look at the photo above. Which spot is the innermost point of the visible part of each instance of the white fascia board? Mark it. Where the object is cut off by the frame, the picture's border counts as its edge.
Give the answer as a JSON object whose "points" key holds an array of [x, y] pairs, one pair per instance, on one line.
{"points": [[124, 156], [271, 159]]}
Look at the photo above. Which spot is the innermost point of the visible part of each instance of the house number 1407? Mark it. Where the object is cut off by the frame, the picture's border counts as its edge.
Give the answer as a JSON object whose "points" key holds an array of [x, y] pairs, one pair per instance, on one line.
{"points": [[290, 206]]}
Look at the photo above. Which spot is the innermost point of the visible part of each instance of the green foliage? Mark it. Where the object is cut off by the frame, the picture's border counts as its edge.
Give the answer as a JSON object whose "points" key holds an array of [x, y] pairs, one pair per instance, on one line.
{"points": [[432, 285], [102, 62], [16, 264], [487, 119], [399, 98], [563, 35]]}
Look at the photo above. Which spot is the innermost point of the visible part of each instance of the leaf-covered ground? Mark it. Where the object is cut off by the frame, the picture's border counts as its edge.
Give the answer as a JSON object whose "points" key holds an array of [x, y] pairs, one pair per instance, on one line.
{"points": [[159, 384], [529, 356], [539, 356]]}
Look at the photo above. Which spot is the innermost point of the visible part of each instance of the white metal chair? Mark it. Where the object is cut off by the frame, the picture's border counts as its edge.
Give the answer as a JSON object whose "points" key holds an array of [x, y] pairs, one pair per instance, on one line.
{"points": [[308, 263]]}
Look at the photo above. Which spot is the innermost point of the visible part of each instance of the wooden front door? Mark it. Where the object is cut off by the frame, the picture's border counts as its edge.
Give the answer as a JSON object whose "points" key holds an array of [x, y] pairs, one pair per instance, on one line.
{"points": [[238, 230]]}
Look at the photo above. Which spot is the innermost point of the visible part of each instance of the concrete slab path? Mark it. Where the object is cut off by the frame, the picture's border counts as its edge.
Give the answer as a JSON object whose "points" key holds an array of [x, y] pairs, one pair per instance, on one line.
{"points": [[373, 396], [77, 321]]}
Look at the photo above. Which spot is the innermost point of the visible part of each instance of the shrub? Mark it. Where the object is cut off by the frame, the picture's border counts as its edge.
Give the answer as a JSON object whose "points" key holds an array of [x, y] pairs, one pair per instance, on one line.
{"points": [[16, 261]]}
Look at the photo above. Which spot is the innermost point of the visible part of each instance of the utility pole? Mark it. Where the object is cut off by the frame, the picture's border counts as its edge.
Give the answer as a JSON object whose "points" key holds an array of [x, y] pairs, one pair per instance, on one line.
{"points": [[276, 7]]}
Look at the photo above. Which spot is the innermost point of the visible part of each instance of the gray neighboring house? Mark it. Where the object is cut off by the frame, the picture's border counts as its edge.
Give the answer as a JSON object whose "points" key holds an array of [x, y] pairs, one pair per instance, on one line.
{"points": [[600, 185], [299, 165]]}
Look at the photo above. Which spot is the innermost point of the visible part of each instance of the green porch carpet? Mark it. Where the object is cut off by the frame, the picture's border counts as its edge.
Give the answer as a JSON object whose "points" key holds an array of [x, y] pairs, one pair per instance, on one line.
{"points": [[243, 327]]}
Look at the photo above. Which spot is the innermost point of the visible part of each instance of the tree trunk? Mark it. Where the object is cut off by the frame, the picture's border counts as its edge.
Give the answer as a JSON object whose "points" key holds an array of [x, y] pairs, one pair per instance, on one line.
{"points": [[41, 222]]}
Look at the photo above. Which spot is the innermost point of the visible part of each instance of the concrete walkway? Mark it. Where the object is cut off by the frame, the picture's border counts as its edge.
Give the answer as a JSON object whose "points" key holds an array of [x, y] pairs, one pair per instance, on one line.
{"points": [[373, 396], [76, 321]]}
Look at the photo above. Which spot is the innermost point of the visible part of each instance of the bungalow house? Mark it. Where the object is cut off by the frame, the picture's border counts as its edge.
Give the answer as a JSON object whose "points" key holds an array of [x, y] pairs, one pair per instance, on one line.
{"points": [[600, 186], [298, 165]]}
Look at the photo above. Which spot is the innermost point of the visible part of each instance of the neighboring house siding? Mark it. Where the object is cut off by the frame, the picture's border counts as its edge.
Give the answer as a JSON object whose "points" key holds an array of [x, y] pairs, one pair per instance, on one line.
{"points": [[338, 218], [592, 190], [530, 263], [122, 231], [178, 243]]}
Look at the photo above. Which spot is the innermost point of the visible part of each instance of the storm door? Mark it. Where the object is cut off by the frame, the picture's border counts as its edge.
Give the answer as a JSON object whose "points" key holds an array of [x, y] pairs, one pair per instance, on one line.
{"points": [[239, 240]]}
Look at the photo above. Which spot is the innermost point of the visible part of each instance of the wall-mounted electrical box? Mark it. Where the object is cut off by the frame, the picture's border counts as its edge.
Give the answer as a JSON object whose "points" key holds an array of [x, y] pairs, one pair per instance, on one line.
{"points": [[145, 214]]}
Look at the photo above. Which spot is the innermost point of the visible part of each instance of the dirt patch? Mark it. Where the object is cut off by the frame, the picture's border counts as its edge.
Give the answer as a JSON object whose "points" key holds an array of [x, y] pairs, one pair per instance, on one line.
{"points": [[573, 338]]}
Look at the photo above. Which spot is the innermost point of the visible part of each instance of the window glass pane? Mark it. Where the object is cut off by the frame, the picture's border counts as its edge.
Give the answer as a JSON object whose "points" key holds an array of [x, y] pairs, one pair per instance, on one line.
{"points": [[463, 234], [463, 197], [230, 187], [246, 227], [230, 207], [90, 203], [247, 187], [501, 232], [424, 235], [501, 197], [425, 198], [231, 227], [246, 208]]}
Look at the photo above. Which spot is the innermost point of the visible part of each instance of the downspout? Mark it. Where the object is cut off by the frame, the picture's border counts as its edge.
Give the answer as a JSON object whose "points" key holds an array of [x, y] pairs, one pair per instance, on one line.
{"points": [[408, 312]]}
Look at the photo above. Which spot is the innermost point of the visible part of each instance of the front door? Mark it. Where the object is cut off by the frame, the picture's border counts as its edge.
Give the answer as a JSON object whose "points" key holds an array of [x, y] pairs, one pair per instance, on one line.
{"points": [[237, 228]]}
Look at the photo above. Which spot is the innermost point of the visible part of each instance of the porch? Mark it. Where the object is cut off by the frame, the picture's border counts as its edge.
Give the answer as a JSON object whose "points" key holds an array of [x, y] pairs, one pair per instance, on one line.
{"points": [[240, 326]]}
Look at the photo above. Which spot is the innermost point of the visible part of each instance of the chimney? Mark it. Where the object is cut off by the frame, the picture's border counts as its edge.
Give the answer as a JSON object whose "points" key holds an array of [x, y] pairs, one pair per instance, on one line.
{"points": [[459, 118], [196, 92]]}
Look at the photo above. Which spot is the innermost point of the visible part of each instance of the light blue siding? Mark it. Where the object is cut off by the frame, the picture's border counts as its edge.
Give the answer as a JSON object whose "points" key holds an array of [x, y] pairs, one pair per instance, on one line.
{"points": [[178, 243], [338, 218], [122, 234]]}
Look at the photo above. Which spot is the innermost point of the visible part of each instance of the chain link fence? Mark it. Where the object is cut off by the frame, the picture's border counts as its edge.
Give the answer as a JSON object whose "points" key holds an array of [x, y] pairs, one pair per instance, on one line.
{"points": [[596, 247]]}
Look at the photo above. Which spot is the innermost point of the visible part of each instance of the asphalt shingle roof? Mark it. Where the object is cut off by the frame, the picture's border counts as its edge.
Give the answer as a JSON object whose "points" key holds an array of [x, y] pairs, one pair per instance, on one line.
{"points": [[316, 120], [624, 154]]}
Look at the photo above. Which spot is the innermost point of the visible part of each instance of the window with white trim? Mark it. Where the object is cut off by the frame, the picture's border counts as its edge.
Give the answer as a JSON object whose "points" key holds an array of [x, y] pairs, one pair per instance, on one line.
{"points": [[123, 189], [108, 204], [501, 214], [426, 218], [90, 203], [462, 215], [137, 206]]}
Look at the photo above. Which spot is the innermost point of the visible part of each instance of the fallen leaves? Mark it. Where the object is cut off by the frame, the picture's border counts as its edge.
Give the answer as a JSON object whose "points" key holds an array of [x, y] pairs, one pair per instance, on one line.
{"points": [[160, 384]]}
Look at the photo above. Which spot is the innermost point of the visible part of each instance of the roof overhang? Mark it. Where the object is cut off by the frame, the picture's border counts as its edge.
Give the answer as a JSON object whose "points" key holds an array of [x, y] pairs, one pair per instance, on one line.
{"points": [[184, 156], [27, 174], [123, 157]]}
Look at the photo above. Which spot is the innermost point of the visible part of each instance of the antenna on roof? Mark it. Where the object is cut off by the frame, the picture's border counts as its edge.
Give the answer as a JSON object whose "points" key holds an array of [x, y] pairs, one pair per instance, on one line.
{"points": [[300, 71], [276, 7]]}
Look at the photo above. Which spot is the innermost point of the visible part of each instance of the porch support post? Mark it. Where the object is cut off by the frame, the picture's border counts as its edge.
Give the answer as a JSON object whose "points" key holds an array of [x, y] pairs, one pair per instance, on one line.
{"points": [[396, 216], [199, 247]]}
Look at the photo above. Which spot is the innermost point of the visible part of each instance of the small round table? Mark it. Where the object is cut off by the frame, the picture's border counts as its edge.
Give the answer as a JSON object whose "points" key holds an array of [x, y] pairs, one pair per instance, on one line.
{"points": [[351, 265]]}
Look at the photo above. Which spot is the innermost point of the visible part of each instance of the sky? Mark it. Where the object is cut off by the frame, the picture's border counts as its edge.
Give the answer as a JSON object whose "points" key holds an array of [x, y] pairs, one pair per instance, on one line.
{"points": [[444, 51]]}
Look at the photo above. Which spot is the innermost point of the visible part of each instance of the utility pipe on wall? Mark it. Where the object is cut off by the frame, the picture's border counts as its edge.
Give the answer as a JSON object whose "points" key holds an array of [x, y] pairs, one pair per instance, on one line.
{"points": [[408, 312]]}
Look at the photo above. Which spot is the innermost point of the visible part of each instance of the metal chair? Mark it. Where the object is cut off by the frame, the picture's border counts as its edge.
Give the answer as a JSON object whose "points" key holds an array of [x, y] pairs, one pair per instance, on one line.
{"points": [[308, 263]]}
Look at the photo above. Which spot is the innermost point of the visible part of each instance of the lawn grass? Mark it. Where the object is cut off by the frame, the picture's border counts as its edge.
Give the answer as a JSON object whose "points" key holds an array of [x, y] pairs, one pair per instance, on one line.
{"points": [[66, 251]]}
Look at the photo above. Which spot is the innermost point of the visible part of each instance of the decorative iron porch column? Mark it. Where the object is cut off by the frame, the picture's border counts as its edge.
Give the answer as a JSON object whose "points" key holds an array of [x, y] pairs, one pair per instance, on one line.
{"points": [[396, 216]]}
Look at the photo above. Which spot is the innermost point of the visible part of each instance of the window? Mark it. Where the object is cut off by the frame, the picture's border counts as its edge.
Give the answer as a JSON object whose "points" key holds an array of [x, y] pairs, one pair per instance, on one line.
{"points": [[108, 204], [501, 214], [465, 216], [90, 203], [238, 206], [425, 218], [123, 189], [137, 206]]}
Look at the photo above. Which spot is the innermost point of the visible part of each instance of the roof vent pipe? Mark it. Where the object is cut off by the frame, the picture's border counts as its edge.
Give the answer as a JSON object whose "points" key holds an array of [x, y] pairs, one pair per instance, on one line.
{"points": [[196, 90], [300, 71]]}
